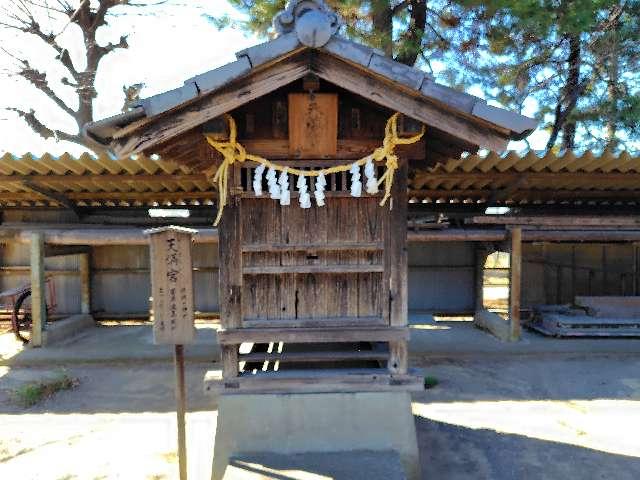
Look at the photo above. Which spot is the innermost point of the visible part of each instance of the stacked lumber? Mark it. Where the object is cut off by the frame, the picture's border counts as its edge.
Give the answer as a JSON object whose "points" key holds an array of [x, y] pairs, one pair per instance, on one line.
{"points": [[589, 317]]}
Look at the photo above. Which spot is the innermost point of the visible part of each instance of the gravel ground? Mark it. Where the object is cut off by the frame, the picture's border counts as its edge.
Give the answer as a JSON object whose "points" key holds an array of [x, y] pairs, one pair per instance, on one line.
{"points": [[544, 418]]}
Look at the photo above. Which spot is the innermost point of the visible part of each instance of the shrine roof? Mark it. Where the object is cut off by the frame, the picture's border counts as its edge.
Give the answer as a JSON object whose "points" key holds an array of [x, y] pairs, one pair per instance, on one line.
{"points": [[299, 35]]}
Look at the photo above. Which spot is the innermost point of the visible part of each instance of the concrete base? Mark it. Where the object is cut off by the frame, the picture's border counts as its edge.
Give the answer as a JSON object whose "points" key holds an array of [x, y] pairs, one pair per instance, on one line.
{"points": [[312, 466], [61, 330], [494, 324], [289, 424]]}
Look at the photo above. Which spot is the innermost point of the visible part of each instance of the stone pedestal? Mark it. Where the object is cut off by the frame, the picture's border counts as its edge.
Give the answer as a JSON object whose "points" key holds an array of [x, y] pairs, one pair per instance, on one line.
{"points": [[331, 425]]}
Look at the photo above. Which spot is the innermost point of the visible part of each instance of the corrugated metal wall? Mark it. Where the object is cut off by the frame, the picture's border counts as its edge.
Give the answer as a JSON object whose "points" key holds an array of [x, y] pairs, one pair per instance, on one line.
{"points": [[441, 275]]}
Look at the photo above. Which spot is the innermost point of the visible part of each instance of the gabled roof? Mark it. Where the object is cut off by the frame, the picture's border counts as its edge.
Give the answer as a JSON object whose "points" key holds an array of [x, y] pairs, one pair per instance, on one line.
{"points": [[355, 63]]}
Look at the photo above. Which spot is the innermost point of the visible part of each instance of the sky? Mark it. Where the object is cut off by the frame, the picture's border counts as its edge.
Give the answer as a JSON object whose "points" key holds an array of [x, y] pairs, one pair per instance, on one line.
{"points": [[168, 44]]}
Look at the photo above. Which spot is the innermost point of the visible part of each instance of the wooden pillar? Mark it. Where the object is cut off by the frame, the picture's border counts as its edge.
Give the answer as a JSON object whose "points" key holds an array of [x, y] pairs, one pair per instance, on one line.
{"points": [[85, 283], [397, 264], [515, 282], [230, 274], [38, 291], [481, 258]]}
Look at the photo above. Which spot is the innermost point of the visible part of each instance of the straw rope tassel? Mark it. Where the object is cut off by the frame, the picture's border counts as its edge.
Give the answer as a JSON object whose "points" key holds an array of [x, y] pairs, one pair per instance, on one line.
{"points": [[233, 152]]}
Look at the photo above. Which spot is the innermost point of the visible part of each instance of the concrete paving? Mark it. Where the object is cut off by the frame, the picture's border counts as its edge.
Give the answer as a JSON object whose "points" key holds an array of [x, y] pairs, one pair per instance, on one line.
{"points": [[488, 419], [429, 339]]}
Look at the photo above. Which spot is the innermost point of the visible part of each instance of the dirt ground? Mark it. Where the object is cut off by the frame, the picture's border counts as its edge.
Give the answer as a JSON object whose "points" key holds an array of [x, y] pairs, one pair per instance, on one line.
{"points": [[511, 418]]}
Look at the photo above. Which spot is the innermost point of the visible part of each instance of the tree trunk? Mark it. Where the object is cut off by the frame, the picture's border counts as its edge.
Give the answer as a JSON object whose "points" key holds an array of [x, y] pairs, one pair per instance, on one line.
{"points": [[613, 92], [382, 17], [567, 103], [412, 39]]}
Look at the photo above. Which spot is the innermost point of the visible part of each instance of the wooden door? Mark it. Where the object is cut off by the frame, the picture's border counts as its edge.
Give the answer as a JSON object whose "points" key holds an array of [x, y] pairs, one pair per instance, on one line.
{"points": [[322, 266]]}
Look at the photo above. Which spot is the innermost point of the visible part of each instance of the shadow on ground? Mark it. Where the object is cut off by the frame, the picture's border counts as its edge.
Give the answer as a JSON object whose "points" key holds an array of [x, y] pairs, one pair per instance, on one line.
{"points": [[457, 453]]}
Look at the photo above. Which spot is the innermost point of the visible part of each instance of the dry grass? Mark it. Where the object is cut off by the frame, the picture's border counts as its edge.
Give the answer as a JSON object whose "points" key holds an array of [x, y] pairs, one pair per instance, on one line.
{"points": [[33, 393]]}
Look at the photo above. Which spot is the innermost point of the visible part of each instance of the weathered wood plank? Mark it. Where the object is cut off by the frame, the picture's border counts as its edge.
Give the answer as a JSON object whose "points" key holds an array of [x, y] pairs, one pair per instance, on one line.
{"points": [[313, 125], [171, 285], [313, 381], [312, 335], [328, 269], [314, 246], [314, 321]]}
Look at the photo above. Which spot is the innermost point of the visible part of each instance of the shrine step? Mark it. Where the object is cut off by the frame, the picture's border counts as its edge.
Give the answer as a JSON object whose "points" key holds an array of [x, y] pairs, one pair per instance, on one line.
{"points": [[314, 381], [330, 356], [352, 465], [312, 335]]}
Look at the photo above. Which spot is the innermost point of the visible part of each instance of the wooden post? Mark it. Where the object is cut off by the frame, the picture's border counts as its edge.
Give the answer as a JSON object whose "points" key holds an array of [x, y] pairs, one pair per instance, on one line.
{"points": [[230, 276], [398, 357], [178, 358], [515, 274], [38, 292], [85, 283], [397, 265], [481, 259]]}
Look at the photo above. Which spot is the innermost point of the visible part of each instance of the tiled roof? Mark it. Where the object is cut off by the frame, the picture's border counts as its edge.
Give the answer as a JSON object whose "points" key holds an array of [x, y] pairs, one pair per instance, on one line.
{"points": [[248, 60]]}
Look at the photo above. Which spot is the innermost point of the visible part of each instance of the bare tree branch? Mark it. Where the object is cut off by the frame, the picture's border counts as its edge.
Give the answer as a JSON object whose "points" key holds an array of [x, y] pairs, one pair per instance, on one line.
{"points": [[41, 129]]}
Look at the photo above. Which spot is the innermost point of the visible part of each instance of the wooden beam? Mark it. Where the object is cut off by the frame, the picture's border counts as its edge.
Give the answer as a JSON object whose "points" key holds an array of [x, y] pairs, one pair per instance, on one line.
{"points": [[406, 101], [542, 177], [312, 335], [38, 290], [314, 381], [92, 236], [515, 283], [63, 250], [348, 149], [557, 221], [234, 95], [328, 269], [477, 235], [528, 195], [51, 195], [456, 235]]}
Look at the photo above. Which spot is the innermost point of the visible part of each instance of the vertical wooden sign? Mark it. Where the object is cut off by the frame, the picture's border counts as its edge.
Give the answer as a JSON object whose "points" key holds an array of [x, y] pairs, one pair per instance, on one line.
{"points": [[173, 318], [172, 285]]}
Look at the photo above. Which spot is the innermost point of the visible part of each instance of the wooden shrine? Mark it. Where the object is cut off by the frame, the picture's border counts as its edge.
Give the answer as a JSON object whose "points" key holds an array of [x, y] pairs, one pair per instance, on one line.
{"points": [[310, 140]]}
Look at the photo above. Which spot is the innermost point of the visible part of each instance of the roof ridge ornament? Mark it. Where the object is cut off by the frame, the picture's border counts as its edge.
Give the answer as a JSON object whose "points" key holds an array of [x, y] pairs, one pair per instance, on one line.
{"points": [[313, 21]]}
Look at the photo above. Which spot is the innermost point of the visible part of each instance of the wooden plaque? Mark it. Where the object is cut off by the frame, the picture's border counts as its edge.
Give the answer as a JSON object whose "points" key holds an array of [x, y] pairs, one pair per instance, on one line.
{"points": [[313, 125], [172, 285]]}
